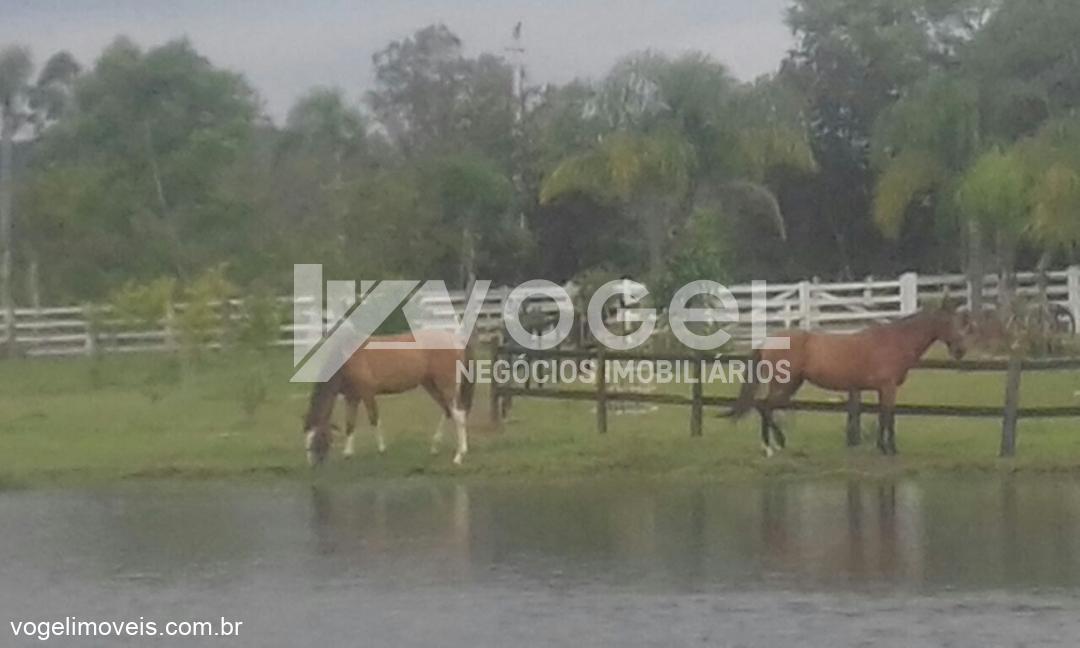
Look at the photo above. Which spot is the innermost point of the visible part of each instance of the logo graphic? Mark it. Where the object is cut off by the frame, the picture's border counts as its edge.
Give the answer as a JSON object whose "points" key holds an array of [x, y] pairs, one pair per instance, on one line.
{"points": [[327, 332], [329, 327]]}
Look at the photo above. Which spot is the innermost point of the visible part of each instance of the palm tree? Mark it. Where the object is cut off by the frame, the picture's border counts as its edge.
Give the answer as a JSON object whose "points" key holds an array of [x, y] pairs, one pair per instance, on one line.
{"points": [[683, 132], [649, 173], [1052, 157], [922, 145], [995, 194], [21, 104], [1027, 192]]}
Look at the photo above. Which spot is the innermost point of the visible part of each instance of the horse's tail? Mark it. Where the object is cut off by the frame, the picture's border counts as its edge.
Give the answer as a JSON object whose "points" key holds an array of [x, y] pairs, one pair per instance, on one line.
{"points": [[745, 402], [467, 380]]}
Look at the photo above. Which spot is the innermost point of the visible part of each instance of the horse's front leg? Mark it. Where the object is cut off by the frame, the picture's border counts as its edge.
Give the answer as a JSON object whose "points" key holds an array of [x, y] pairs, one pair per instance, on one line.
{"points": [[882, 431], [892, 432], [351, 409], [887, 420]]}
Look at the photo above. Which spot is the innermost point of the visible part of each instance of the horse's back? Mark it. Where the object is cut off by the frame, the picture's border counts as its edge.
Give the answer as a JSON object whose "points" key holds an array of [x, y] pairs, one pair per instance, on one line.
{"points": [[860, 360], [834, 361], [395, 370]]}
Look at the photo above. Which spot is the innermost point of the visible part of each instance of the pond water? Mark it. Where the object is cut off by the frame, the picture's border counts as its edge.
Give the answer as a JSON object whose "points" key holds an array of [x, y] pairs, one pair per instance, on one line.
{"points": [[973, 562]]}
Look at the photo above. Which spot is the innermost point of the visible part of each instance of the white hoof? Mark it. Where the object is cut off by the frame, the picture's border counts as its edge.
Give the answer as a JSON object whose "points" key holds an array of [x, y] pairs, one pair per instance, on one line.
{"points": [[349, 450], [769, 452], [382, 448], [458, 458]]}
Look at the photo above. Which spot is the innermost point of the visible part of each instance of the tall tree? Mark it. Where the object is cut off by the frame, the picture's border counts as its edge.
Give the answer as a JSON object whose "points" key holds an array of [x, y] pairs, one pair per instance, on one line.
{"points": [[432, 99], [854, 59], [1027, 61], [15, 70], [325, 143], [323, 121], [473, 195], [23, 103], [165, 127], [1007, 77]]}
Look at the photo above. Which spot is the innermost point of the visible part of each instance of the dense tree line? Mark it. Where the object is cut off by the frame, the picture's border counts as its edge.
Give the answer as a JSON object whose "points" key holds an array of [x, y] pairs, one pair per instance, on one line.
{"points": [[897, 134]]}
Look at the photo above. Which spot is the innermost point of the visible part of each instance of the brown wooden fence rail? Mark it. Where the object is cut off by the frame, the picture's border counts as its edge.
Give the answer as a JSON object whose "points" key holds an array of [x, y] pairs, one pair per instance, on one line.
{"points": [[602, 394]]}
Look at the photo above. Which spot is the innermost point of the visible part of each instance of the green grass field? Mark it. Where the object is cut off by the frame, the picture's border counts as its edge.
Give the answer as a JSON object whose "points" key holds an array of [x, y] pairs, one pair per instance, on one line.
{"points": [[74, 421]]}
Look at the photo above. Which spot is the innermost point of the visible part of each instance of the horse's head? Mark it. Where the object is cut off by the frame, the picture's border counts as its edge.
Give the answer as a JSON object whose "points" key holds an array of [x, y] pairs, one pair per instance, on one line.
{"points": [[317, 428], [956, 329], [317, 442]]}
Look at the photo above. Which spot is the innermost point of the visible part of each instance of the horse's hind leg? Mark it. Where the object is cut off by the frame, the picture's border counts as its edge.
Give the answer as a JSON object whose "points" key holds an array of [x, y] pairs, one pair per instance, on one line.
{"points": [[778, 441], [351, 410], [766, 447], [779, 395], [446, 395], [376, 424], [436, 439], [778, 434]]}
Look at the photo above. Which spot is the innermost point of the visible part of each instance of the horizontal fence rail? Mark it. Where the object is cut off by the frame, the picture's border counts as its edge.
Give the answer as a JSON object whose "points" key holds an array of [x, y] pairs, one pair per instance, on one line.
{"points": [[952, 411], [603, 393], [840, 306]]}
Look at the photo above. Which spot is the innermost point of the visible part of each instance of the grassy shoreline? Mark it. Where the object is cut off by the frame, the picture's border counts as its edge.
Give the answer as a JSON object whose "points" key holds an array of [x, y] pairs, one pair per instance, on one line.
{"points": [[74, 422]]}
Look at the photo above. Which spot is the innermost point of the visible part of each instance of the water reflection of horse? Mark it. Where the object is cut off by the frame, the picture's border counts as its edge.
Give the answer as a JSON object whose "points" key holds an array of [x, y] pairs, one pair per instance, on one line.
{"points": [[373, 372], [366, 527], [875, 359]]}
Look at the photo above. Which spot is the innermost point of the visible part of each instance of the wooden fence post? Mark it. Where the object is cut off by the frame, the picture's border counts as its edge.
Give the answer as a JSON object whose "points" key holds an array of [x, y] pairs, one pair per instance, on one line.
{"points": [[170, 327], [696, 390], [854, 422], [805, 306], [494, 398], [909, 293], [90, 324], [1012, 405], [601, 393]]}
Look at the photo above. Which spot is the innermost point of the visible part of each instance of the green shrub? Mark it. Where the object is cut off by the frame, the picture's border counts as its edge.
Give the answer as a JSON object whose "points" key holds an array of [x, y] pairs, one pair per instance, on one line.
{"points": [[203, 319]]}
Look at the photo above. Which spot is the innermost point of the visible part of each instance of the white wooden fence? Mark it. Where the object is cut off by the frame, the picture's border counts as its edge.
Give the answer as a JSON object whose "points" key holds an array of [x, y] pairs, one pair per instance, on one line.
{"points": [[808, 304]]}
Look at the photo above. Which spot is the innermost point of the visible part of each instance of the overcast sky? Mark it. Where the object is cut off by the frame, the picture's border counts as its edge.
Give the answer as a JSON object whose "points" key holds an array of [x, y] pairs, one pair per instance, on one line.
{"points": [[285, 47]]}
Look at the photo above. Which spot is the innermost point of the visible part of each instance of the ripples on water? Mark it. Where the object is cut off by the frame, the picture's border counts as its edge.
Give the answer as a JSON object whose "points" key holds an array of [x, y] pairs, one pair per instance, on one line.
{"points": [[979, 562]]}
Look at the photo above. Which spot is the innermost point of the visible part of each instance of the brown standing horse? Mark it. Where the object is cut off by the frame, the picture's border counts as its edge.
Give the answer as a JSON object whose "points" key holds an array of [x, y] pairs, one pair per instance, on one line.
{"points": [[875, 359], [372, 372]]}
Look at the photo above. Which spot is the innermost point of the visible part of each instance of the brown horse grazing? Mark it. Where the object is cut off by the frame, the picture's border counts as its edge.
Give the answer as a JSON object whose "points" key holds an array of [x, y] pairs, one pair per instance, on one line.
{"points": [[875, 359], [372, 372]]}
